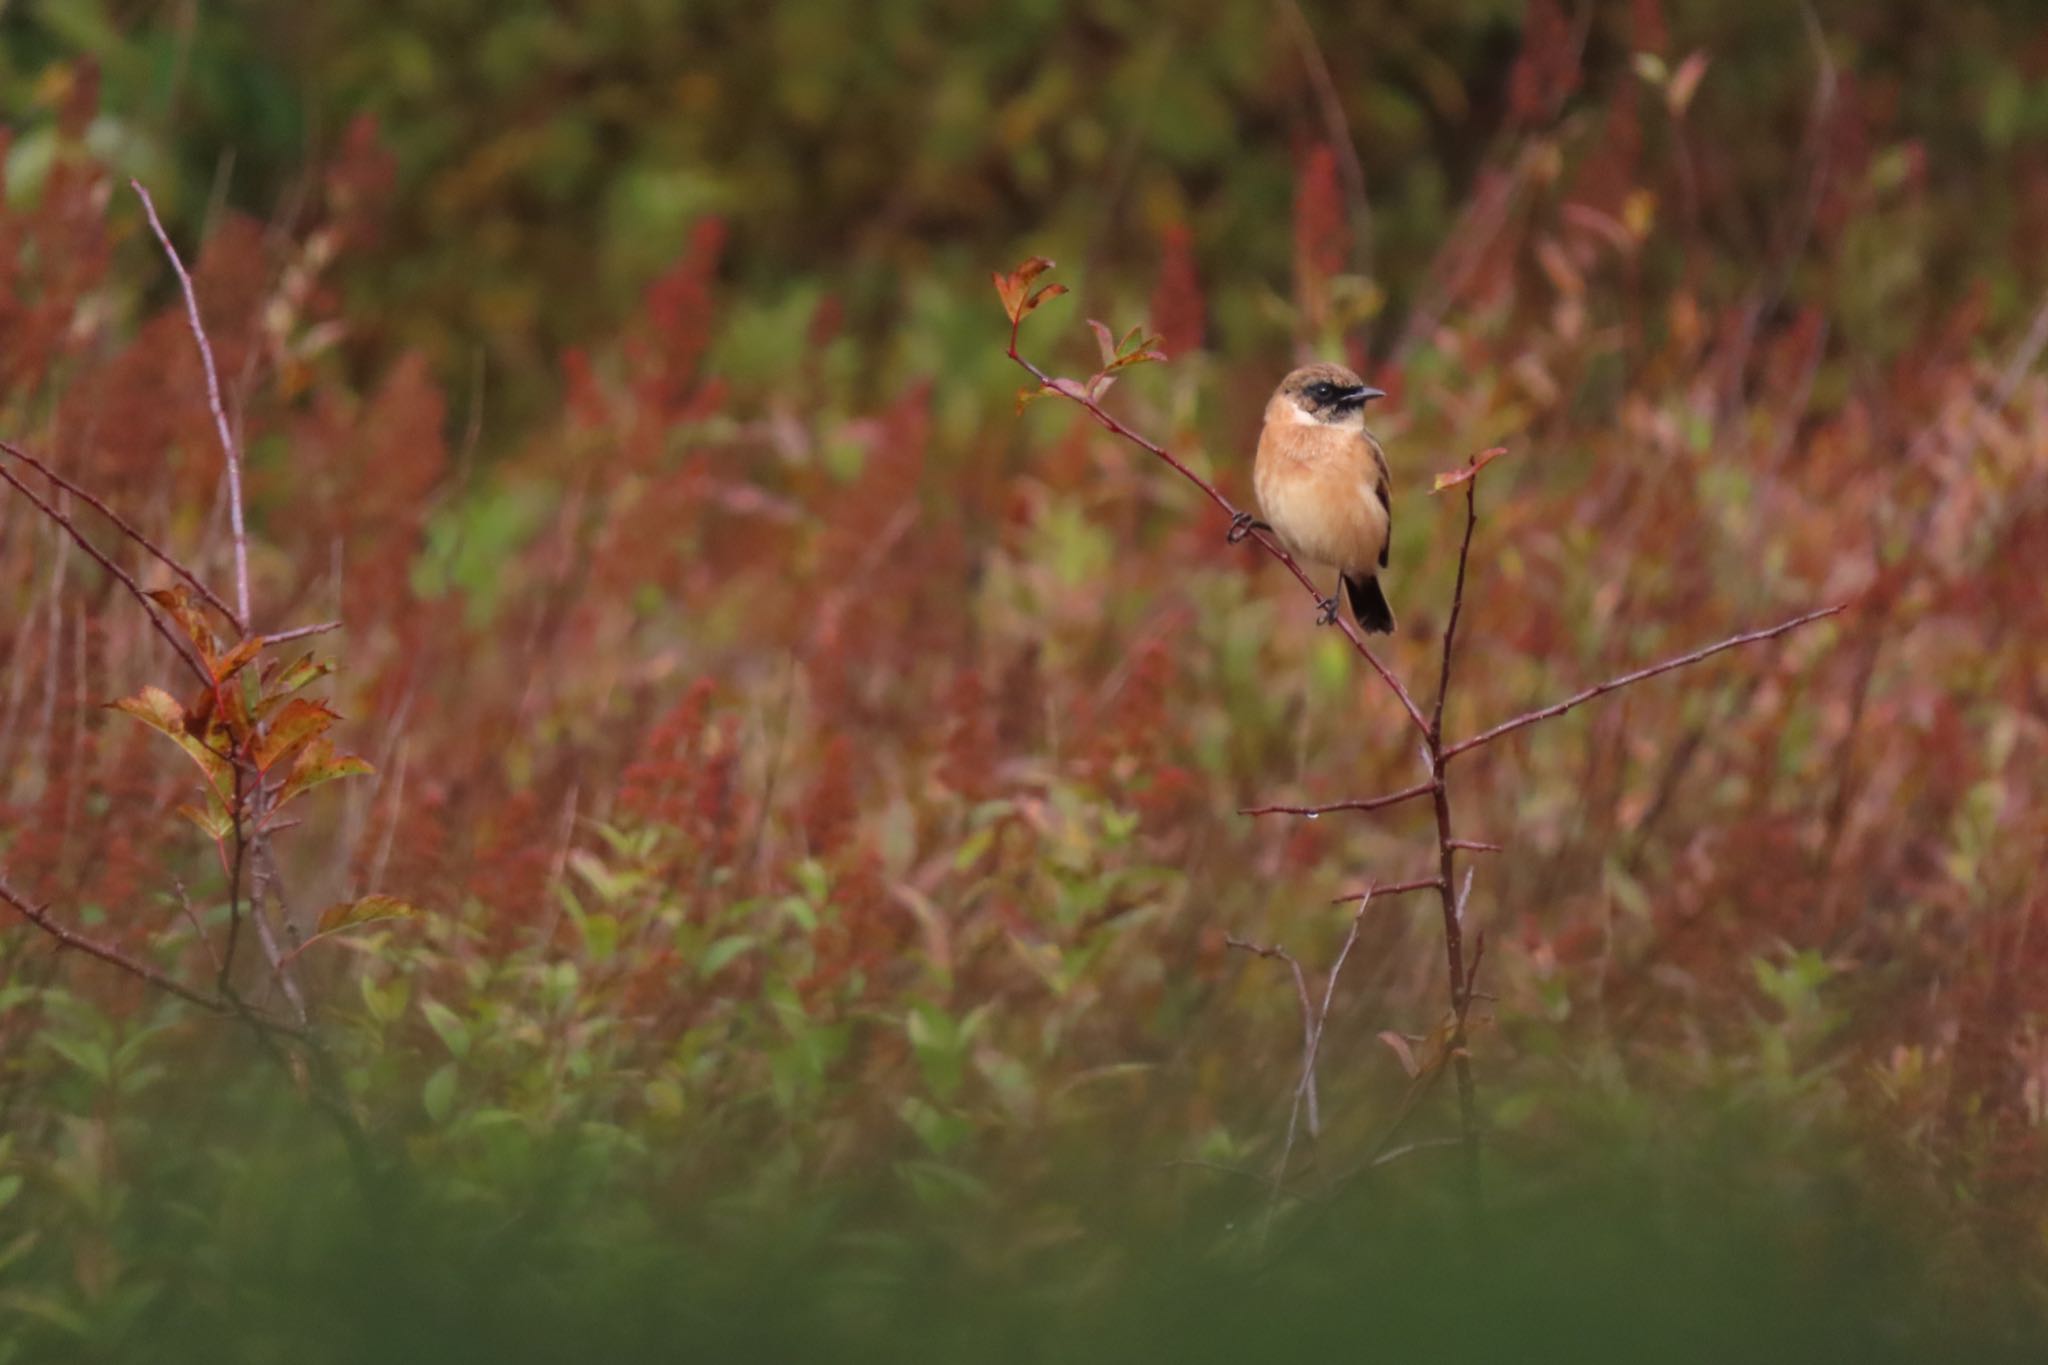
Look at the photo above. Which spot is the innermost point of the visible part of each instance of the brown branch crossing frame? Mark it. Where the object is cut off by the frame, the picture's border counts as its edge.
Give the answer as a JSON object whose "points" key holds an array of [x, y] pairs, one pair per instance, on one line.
{"points": [[1437, 754]]}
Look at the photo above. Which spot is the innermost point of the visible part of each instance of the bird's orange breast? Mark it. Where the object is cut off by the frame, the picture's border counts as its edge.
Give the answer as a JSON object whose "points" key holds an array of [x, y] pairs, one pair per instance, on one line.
{"points": [[1318, 491]]}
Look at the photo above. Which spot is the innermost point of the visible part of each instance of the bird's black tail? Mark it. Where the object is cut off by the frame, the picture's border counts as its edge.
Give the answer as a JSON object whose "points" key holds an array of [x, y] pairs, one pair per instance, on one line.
{"points": [[1369, 604]]}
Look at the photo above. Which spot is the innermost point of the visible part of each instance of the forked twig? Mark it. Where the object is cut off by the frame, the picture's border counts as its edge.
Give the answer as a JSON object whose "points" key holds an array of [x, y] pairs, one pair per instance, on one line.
{"points": [[192, 580], [232, 453]]}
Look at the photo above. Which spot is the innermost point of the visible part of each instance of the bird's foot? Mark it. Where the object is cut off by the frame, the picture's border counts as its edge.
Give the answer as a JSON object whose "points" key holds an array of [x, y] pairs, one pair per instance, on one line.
{"points": [[1242, 525], [1328, 613]]}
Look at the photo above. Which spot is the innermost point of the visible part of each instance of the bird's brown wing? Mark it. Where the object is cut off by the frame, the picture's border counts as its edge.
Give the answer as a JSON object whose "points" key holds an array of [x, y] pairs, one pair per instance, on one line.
{"points": [[1383, 489]]}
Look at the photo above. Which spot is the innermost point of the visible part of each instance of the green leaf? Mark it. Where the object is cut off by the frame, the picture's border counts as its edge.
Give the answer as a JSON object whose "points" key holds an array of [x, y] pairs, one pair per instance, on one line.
{"points": [[317, 763], [367, 910], [720, 954], [87, 1055], [445, 1022], [386, 1001], [212, 822], [938, 1129], [437, 1096], [281, 681]]}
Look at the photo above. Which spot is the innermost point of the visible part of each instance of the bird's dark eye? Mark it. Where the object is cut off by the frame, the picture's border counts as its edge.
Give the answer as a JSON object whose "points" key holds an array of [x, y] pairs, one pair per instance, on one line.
{"points": [[1322, 393]]}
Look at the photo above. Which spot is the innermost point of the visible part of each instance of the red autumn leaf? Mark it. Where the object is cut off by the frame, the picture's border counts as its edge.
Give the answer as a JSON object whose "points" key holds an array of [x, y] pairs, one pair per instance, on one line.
{"points": [[236, 659], [160, 711], [1051, 291], [299, 723], [1469, 471], [177, 603], [1014, 288]]}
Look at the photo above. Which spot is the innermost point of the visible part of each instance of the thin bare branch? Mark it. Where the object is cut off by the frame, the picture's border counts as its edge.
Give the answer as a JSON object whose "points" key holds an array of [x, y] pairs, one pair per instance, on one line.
{"points": [[1368, 803], [179, 647], [40, 917], [149, 546], [1388, 889], [1336, 128], [1453, 908], [135, 967], [301, 632], [1615, 684], [220, 413]]}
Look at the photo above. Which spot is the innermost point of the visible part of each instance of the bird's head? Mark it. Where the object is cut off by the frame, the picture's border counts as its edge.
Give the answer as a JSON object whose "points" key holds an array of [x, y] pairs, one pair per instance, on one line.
{"points": [[1328, 394]]}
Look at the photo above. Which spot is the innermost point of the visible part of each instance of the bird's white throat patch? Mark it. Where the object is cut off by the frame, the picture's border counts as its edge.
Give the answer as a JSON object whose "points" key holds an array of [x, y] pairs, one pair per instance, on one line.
{"points": [[1353, 420]]}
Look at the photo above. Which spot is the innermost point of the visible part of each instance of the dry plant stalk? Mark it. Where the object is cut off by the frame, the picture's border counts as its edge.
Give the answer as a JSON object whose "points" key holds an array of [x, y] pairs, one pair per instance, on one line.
{"points": [[1445, 1047]]}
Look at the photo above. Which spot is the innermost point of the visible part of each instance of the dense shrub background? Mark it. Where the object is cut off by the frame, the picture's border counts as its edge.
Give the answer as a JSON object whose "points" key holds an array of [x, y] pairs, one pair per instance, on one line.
{"points": [[820, 781]]}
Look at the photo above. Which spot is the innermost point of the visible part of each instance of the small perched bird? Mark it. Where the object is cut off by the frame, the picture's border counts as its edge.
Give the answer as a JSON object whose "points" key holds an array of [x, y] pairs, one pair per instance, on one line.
{"points": [[1321, 481]]}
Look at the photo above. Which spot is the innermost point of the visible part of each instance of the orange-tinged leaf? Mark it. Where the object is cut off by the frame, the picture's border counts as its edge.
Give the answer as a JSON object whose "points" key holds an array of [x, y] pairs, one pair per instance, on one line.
{"points": [[1015, 288], [1051, 291], [1470, 470], [1105, 341], [212, 822], [317, 763], [298, 723], [1685, 82], [160, 711], [1029, 395], [156, 708], [1009, 291], [1401, 1050], [177, 603], [1031, 269], [280, 680], [237, 658], [367, 910]]}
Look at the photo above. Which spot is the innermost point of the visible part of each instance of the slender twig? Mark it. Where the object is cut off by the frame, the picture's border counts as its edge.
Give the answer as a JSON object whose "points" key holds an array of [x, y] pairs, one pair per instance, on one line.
{"points": [[1369, 803], [1313, 1021], [179, 647], [1613, 684], [196, 583], [1336, 128], [301, 632], [1315, 1042], [1447, 852], [41, 918], [192, 918], [135, 967], [1389, 889], [213, 398], [1271, 547]]}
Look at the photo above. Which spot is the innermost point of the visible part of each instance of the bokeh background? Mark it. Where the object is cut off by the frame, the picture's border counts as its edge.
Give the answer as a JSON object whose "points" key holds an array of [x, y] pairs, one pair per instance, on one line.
{"points": [[817, 779]]}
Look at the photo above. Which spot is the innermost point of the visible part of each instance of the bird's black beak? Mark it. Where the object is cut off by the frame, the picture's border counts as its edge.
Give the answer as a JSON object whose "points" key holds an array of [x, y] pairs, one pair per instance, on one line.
{"points": [[1360, 396]]}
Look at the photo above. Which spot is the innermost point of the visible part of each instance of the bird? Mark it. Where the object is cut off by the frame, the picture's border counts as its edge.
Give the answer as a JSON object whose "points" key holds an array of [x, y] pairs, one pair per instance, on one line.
{"points": [[1322, 483]]}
